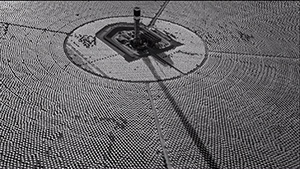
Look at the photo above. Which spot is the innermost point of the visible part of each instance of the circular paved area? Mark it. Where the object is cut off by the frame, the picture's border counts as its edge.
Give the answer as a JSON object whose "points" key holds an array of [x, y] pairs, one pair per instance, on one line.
{"points": [[93, 55], [239, 109]]}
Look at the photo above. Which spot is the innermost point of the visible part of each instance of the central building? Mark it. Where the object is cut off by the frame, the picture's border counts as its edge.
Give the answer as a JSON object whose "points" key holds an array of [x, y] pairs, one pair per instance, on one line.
{"points": [[136, 40]]}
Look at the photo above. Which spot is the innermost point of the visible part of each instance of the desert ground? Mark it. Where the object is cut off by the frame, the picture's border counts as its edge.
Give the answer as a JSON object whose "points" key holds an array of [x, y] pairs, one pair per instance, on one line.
{"points": [[238, 109]]}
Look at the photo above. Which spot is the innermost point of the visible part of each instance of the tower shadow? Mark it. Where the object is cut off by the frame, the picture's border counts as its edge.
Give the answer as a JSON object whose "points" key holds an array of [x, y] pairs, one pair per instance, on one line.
{"points": [[189, 128]]}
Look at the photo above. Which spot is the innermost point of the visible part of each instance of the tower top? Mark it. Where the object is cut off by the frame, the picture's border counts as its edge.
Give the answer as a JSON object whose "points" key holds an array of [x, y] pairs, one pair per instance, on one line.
{"points": [[137, 11]]}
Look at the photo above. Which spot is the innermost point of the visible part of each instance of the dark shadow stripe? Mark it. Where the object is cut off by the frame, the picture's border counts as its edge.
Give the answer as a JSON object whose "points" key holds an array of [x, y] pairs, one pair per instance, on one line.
{"points": [[189, 128], [152, 22]]}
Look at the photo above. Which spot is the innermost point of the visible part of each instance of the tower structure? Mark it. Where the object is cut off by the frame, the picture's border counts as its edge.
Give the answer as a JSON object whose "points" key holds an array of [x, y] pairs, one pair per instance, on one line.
{"points": [[137, 17]]}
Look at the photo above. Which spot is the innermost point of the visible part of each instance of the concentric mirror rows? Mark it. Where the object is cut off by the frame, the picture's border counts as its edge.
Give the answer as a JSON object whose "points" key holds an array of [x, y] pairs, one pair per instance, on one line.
{"points": [[239, 109]]}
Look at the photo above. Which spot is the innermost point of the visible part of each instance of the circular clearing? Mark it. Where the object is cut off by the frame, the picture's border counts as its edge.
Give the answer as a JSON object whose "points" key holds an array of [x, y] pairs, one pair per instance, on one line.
{"points": [[91, 54]]}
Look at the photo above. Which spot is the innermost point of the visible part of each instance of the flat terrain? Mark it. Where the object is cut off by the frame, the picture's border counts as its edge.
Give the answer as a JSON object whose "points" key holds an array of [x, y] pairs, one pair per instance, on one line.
{"points": [[240, 109]]}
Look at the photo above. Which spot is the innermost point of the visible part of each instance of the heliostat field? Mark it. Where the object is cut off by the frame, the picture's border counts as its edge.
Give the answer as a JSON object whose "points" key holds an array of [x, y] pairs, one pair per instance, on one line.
{"points": [[226, 96]]}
